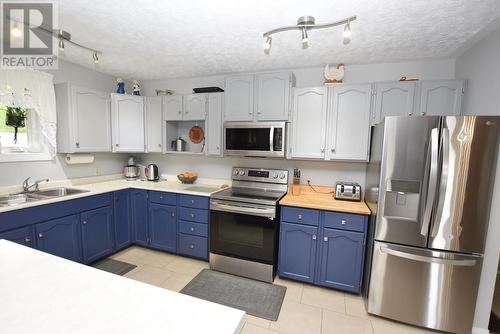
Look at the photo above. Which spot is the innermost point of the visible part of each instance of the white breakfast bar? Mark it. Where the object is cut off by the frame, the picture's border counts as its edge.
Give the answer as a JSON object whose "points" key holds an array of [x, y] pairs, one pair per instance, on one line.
{"points": [[42, 293]]}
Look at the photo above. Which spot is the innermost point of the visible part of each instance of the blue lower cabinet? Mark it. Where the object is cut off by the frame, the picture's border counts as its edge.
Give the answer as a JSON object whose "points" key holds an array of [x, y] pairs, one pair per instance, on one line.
{"points": [[193, 228], [193, 245], [60, 237], [97, 233], [22, 236], [342, 256], [139, 216], [163, 227], [122, 221], [297, 251]]}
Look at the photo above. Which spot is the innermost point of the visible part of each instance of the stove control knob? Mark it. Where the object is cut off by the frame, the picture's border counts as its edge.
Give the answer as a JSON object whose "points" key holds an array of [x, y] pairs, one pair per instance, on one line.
{"points": [[235, 172], [242, 172], [282, 175], [275, 175]]}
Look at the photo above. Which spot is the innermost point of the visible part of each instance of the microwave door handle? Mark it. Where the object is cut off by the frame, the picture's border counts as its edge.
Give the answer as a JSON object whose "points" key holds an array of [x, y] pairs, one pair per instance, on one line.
{"points": [[428, 259], [271, 139], [432, 156], [445, 137]]}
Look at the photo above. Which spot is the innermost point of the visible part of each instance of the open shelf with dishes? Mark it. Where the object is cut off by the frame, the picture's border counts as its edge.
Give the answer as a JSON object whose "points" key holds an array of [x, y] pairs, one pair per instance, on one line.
{"points": [[184, 137]]}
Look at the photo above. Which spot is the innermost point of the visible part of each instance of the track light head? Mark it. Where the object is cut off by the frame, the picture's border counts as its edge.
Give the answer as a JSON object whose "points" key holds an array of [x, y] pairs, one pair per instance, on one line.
{"points": [[61, 44], [347, 34], [267, 45], [305, 39], [95, 57]]}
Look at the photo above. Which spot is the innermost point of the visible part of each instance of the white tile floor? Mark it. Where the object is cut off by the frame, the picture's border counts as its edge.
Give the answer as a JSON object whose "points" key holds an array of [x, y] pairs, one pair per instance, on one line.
{"points": [[307, 309]]}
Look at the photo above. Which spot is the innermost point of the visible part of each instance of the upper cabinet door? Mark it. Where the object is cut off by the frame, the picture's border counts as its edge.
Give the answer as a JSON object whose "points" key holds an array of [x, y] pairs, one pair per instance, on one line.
{"points": [[273, 96], [128, 123], [195, 107], [441, 98], [349, 122], [214, 124], [309, 123], [239, 98], [172, 107], [394, 99], [154, 124]]}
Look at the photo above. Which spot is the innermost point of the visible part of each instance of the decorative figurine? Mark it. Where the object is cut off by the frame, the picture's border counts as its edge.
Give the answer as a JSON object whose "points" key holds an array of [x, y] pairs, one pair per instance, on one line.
{"points": [[334, 76], [120, 86], [136, 88]]}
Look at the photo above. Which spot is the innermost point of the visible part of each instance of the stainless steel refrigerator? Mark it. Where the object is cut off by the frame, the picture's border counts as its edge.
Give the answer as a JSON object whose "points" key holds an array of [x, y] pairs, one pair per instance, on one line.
{"points": [[429, 186]]}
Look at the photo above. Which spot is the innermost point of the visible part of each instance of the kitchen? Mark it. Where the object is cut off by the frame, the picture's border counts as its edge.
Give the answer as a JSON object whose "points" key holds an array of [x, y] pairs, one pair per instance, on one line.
{"points": [[170, 233]]}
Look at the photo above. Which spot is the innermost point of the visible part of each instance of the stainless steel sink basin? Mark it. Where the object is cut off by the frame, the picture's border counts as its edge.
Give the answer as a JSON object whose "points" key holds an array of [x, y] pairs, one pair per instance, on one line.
{"points": [[13, 199], [57, 192]]}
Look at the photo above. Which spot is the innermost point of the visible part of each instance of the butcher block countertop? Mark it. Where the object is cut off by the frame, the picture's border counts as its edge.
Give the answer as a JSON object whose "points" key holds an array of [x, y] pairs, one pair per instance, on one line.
{"points": [[322, 199]]}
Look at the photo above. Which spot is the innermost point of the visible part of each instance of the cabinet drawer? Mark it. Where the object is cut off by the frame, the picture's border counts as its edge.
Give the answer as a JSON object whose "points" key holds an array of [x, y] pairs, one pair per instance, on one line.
{"points": [[345, 221], [193, 245], [193, 228], [197, 202], [300, 216], [194, 215], [162, 197]]}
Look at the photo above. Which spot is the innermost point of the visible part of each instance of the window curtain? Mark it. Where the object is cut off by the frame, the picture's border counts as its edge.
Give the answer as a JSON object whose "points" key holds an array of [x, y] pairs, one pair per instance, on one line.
{"points": [[33, 90]]}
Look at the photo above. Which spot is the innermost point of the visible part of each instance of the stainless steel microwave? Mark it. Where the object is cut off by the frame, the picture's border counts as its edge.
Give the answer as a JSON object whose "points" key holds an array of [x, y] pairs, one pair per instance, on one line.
{"points": [[259, 139]]}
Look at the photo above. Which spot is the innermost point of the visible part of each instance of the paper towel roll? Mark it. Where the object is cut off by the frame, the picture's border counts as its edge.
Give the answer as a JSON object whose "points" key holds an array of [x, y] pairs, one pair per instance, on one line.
{"points": [[75, 159]]}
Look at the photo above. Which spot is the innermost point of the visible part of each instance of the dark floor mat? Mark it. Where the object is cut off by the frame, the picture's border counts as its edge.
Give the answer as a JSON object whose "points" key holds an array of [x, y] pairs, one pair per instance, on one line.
{"points": [[114, 266]]}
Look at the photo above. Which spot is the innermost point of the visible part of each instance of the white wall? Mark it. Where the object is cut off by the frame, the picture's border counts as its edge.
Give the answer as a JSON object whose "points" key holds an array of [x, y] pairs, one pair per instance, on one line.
{"points": [[319, 172], [480, 65], [106, 163]]}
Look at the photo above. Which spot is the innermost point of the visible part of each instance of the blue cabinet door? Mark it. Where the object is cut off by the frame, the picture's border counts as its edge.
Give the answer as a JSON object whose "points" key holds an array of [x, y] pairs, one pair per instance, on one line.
{"points": [[163, 227], [22, 236], [123, 226], [297, 251], [60, 237], [139, 215], [341, 264], [97, 233]]}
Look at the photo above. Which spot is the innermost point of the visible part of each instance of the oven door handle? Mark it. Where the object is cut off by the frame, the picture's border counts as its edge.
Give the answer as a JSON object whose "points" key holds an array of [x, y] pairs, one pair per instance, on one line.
{"points": [[253, 211]]}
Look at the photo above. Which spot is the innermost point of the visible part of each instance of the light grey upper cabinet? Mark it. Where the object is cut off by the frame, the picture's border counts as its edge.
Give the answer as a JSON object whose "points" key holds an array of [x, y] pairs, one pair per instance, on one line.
{"points": [[441, 98], [127, 116], [349, 122], [194, 107], [309, 123], [172, 107], [154, 124], [84, 119], [214, 123], [239, 98], [394, 99], [273, 96]]}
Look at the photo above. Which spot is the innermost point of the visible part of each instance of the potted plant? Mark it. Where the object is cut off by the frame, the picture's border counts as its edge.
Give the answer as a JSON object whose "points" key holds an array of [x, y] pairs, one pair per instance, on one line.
{"points": [[15, 117]]}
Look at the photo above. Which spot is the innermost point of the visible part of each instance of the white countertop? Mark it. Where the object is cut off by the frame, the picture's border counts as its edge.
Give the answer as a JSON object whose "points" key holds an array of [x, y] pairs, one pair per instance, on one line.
{"points": [[100, 187], [41, 293]]}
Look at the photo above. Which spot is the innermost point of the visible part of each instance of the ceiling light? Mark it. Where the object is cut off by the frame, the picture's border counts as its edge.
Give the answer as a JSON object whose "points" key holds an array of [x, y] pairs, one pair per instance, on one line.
{"points": [[347, 33], [16, 31], [61, 44], [95, 57], [306, 23], [305, 39], [267, 45]]}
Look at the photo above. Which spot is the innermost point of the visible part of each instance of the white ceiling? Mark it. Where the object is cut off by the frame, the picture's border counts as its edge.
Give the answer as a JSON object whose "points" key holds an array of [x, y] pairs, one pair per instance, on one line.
{"points": [[181, 38]]}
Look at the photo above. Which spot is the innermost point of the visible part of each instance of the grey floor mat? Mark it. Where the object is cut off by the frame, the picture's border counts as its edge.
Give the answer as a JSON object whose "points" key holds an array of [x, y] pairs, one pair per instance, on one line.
{"points": [[114, 266], [257, 298]]}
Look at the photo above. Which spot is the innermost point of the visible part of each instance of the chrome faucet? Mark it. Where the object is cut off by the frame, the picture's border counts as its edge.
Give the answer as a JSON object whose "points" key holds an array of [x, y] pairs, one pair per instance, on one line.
{"points": [[27, 186]]}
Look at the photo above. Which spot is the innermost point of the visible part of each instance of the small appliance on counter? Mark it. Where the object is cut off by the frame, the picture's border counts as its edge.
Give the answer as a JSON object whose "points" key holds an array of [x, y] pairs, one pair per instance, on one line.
{"points": [[179, 145], [151, 172], [348, 191], [131, 171]]}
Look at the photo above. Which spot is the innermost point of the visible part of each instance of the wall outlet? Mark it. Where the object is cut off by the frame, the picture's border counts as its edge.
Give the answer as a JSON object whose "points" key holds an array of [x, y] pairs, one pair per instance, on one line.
{"points": [[97, 171]]}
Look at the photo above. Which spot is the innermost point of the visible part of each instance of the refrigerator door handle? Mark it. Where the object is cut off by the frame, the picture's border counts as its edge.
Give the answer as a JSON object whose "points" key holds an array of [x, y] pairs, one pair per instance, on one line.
{"points": [[444, 180], [432, 156], [428, 259]]}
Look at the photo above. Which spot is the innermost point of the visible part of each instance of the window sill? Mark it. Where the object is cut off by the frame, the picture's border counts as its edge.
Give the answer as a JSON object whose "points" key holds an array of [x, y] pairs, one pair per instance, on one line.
{"points": [[24, 156]]}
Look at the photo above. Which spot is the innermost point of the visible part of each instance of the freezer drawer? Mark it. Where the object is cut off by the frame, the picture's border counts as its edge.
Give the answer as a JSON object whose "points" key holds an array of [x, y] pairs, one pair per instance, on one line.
{"points": [[423, 287]]}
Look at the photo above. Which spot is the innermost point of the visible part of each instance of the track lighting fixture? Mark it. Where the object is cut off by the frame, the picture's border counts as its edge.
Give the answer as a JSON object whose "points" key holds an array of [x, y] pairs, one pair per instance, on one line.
{"points": [[95, 57], [16, 31], [307, 23], [61, 44]]}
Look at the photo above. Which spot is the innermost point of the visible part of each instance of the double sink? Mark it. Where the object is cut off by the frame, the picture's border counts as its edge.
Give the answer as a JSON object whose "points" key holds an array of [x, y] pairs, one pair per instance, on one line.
{"points": [[18, 198]]}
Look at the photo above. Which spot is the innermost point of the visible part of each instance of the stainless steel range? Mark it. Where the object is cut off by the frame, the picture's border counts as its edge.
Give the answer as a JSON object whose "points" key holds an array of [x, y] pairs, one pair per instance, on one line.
{"points": [[244, 223]]}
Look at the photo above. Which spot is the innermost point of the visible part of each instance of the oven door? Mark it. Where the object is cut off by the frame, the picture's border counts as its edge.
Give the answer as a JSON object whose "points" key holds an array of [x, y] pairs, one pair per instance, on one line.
{"points": [[255, 139], [244, 231]]}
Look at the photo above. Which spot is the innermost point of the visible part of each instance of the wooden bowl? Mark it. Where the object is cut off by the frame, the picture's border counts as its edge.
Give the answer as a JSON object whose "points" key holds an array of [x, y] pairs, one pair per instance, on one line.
{"points": [[187, 180]]}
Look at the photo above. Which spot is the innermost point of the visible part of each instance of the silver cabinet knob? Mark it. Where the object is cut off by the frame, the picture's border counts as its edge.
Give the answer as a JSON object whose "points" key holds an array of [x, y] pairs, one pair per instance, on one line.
{"points": [[180, 112], [343, 222], [192, 215], [40, 235], [159, 145], [322, 150], [423, 113], [187, 112], [117, 145], [325, 238], [299, 217], [27, 239], [77, 145], [259, 112], [410, 114], [173, 214], [332, 150], [191, 246], [192, 229], [314, 236], [218, 147], [84, 222], [161, 197], [192, 201]]}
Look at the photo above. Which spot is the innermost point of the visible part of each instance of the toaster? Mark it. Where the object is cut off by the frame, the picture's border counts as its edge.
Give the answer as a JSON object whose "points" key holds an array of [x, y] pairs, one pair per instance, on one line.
{"points": [[348, 191]]}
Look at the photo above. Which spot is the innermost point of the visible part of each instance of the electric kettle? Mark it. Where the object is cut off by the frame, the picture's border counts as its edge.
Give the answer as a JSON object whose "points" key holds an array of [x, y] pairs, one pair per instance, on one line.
{"points": [[151, 172]]}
